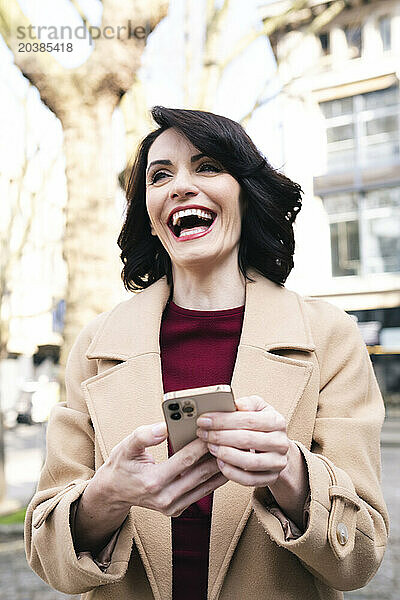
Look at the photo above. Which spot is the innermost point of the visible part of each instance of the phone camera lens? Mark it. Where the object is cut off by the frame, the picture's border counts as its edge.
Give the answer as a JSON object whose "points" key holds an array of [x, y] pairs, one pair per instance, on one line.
{"points": [[188, 409], [175, 416], [173, 406]]}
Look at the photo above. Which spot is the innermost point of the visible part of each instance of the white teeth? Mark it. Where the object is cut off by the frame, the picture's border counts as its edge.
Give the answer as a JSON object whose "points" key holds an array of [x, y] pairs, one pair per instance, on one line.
{"points": [[189, 211], [192, 231]]}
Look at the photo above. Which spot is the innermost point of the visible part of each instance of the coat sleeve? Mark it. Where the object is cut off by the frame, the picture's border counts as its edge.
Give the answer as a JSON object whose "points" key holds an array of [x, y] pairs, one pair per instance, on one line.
{"points": [[347, 530], [68, 468]]}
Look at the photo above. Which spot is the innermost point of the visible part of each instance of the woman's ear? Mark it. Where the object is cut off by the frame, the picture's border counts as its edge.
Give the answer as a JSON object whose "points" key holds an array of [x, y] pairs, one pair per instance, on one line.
{"points": [[152, 230]]}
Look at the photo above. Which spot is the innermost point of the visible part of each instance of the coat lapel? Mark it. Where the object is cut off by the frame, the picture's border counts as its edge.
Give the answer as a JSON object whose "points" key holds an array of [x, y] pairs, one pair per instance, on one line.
{"points": [[127, 396], [273, 320]]}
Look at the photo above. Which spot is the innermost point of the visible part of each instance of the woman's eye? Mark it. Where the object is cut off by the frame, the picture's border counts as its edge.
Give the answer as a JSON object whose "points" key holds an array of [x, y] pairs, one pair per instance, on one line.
{"points": [[210, 166], [155, 177], [203, 167]]}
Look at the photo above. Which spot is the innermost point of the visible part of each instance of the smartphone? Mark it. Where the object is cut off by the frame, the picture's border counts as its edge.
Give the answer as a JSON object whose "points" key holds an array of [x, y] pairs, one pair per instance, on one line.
{"points": [[182, 408]]}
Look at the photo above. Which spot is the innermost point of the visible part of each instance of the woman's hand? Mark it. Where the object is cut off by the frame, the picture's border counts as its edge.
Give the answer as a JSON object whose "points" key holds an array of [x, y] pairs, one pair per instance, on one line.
{"points": [[131, 477], [233, 437], [252, 448]]}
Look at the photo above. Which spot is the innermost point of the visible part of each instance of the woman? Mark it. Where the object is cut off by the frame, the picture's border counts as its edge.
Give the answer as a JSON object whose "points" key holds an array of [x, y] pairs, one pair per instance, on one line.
{"points": [[208, 237]]}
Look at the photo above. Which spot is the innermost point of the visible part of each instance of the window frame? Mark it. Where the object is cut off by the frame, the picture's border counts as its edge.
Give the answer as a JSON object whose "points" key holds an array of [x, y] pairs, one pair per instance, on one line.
{"points": [[362, 214], [359, 145]]}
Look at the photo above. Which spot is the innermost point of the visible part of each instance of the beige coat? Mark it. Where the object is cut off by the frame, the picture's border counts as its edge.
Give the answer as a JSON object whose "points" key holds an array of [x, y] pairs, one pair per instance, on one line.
{"points": [[306, 358]]}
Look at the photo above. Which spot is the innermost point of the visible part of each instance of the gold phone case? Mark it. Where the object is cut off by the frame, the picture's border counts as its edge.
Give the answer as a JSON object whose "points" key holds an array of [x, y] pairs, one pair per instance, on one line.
{"points": [[182, 408]]}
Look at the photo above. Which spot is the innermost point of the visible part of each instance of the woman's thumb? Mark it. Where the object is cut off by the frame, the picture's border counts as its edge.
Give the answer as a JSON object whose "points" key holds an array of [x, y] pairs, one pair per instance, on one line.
{"points": [[144, 437], [250, 403]]}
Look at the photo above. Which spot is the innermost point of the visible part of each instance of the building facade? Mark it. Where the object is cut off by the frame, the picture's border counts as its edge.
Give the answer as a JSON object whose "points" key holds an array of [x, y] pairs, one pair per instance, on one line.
{"points": [[339, 68]]}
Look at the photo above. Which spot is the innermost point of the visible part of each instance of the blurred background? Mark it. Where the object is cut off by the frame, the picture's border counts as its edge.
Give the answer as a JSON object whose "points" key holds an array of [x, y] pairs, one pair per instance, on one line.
{"points": [[314, 83]]}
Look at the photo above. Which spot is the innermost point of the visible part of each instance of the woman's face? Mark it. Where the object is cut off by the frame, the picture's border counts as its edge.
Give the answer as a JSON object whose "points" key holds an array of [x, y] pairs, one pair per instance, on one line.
{"points": [[180, 178]]}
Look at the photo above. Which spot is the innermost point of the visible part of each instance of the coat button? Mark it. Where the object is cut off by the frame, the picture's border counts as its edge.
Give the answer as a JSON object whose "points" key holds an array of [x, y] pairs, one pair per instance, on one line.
{"points": [[342, 534]]}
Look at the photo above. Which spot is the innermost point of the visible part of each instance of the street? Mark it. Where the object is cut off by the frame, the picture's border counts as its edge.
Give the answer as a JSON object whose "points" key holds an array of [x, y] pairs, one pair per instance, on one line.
{"points": [[24, 453]]}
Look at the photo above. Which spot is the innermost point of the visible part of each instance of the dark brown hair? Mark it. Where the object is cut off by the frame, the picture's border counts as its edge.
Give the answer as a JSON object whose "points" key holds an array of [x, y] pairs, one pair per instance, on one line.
{"points": [[272, 201]]}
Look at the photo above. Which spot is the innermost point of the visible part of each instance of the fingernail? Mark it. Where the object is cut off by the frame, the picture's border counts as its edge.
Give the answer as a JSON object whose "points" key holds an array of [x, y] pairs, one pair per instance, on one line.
{"points": [[204, 422], [202, 434], [159, 430], [220, 463], [213, 449]]}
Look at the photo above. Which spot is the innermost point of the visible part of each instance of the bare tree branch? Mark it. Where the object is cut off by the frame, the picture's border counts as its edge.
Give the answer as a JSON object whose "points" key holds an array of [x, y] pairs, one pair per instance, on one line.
{"points": [[11, 253], [136, 117], [187, 87], [109, 71], [14, 28], [316, 25], [213, 67], [82, 15], [6, 233], [270, 25], [211, 71]]}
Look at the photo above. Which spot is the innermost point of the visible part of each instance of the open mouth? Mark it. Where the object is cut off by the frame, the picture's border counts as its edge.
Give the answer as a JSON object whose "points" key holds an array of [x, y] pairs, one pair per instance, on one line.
{"points": [[191, 222]]}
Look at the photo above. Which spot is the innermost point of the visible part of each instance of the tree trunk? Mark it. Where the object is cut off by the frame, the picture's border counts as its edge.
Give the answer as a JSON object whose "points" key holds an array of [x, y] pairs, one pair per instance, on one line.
{"points": [[92, 225], [3, 484], [84, 99], [137, 119]]}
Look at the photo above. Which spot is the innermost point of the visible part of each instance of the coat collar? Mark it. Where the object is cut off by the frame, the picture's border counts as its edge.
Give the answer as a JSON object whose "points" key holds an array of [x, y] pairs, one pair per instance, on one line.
{"points": [[129, 395], [273, 319]]}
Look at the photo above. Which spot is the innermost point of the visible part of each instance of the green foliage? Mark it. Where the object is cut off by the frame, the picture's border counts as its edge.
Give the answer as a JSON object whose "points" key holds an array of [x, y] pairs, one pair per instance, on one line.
{"points": [[17, 517]]}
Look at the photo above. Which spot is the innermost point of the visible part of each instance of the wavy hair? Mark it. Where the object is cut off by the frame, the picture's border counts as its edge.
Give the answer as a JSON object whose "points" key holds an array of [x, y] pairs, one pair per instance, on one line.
{"points": [[272, 201]]}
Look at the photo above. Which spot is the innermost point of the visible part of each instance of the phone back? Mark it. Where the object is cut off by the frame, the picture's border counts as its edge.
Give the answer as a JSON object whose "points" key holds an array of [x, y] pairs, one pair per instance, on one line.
{"points": [[182, 408]]}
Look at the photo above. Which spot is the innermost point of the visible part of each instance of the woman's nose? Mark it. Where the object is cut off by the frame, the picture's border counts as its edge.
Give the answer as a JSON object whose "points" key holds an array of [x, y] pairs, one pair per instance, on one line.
{"points": [[183, 186]]}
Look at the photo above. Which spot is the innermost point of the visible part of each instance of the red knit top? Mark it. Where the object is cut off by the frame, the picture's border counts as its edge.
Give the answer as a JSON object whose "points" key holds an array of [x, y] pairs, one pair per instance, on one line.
{"points": [[198, 348]]}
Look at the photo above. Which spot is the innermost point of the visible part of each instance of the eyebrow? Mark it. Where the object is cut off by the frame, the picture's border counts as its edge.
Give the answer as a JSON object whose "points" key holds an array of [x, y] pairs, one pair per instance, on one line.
{"points": [[168, 162]]}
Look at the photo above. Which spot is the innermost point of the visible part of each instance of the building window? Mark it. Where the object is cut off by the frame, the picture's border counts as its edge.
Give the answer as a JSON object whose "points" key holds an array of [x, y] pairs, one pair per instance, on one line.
{"points": [[363, 130], [381, 230], [353, 35], [385, 33], [365, 231], [324, 39]]}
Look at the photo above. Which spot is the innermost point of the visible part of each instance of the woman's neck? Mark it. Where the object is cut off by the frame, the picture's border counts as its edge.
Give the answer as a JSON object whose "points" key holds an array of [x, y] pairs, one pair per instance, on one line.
{"points": [[217, 288]]}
